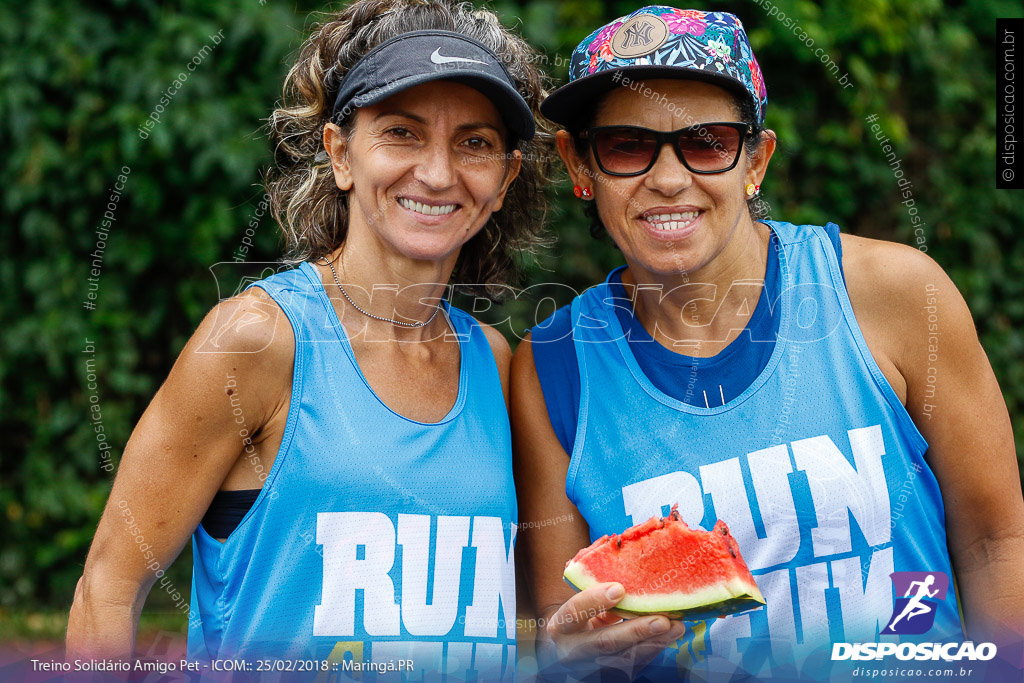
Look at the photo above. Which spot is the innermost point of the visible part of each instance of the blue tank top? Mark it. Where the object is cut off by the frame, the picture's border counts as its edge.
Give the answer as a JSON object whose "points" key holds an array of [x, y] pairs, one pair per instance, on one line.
{"points": [[697, 381], [375, 538], [816, 467]]}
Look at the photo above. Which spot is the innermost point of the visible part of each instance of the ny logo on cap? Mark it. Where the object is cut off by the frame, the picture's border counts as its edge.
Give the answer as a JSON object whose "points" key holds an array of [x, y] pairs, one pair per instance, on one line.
{"points": [[639, 36]]}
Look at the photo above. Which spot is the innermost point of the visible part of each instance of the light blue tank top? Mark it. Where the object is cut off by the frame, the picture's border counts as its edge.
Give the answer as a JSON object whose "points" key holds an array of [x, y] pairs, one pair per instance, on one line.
{"points": [[375, 539], [816, 468]]}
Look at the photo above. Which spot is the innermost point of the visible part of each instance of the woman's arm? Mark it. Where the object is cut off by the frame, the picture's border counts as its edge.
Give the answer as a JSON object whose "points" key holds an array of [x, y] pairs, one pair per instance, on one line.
{"points": [[575, 627], [183, 447], [920, 322]]}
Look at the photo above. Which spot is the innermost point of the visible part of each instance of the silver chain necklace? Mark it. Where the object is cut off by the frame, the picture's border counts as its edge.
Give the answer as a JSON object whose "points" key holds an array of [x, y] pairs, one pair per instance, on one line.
{"points": [[377, 317]]}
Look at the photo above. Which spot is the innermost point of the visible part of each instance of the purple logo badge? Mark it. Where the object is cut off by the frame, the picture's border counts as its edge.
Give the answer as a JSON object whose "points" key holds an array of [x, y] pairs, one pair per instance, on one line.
{"points": [[914, 613]]}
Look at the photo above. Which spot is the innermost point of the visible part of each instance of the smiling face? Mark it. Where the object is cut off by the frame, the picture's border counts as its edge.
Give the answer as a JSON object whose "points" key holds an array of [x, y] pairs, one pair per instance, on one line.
{"points": [[424, 169], [669, 220]]}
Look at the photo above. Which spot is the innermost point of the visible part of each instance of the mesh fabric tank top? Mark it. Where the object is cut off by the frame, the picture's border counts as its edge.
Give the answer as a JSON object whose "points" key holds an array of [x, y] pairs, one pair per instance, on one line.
{"points": [[375, 539], [816, 468]]}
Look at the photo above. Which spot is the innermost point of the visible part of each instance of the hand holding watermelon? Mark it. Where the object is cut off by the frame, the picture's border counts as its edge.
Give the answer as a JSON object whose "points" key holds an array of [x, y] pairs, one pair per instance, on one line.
{"points": [[652, 575], [584, 633]]}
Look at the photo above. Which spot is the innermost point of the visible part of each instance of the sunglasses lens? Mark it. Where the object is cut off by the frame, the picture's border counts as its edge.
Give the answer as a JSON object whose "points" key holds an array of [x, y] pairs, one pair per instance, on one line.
{"points": [[624, 150], [710, 148]]}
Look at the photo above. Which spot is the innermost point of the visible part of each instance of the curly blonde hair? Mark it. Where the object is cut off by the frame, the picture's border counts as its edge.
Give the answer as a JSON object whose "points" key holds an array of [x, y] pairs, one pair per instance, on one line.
{"points": [[304, 199]]}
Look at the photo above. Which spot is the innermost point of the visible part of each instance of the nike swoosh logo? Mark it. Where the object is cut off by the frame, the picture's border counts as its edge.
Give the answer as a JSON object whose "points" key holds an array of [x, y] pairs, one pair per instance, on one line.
{"points": [[437, 58]]}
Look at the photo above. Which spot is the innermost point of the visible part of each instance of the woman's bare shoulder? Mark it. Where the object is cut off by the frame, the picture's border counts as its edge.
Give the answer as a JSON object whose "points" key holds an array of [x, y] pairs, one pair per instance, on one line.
{"points": [[248, 323], [888, 278], [248, 338], [895, 291]]}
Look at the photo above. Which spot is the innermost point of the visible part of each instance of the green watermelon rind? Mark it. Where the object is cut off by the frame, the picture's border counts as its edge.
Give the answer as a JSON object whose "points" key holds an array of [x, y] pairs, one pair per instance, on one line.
{"points": [[729, 598]]}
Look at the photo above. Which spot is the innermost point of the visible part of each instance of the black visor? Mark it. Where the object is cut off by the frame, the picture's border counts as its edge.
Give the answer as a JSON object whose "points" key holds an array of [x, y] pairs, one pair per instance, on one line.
{"points": [[422, 56]]}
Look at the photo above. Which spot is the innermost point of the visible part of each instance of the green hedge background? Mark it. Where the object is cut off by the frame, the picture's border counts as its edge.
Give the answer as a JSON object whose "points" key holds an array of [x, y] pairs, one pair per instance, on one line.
{"points": [[78, 79]]}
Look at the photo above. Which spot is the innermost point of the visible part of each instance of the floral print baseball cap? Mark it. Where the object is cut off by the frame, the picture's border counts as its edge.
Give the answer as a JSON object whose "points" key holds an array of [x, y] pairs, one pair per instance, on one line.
{"points": [[659, 42]]}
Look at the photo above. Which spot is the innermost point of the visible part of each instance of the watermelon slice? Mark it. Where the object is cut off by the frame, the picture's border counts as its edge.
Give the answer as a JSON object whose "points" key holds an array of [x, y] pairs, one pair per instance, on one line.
{"points": [[668, 568]]}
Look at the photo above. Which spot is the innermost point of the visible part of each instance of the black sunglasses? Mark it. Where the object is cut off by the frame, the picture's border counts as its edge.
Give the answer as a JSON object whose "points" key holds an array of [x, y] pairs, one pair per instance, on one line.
{"points": [[705, 148]]}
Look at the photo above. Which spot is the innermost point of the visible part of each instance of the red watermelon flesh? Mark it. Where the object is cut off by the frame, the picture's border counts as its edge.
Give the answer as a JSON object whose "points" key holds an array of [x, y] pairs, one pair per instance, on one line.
{"points": [[668, 568]]}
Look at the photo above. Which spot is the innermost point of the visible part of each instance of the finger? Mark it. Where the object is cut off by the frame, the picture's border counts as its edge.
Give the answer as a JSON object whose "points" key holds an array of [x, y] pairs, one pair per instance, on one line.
{"points": [[575, 614], [618, 637], [645, 652], [606, 619], [636, 658]]}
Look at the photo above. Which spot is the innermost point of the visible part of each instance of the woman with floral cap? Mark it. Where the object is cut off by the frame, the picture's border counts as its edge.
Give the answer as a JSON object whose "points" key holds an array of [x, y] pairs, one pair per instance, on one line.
{"points": [[784, 379]]}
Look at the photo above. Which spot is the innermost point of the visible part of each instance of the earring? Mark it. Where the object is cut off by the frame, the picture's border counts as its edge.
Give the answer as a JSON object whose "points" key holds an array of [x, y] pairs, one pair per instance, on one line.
{"points": [[577, 190], [586, 192]]}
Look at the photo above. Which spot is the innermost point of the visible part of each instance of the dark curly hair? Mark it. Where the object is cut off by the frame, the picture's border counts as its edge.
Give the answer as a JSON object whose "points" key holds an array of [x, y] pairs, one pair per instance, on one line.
{"points": [[304, 199]]}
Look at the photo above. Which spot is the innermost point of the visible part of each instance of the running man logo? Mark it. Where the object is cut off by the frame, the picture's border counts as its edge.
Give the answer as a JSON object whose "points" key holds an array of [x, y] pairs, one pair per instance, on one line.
{"points": [[914, 613]]}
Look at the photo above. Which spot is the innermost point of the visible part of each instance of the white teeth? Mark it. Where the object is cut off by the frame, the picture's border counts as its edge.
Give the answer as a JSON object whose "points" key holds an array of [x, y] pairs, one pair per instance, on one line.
{"points": [[671, 221], [427, 209]]}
